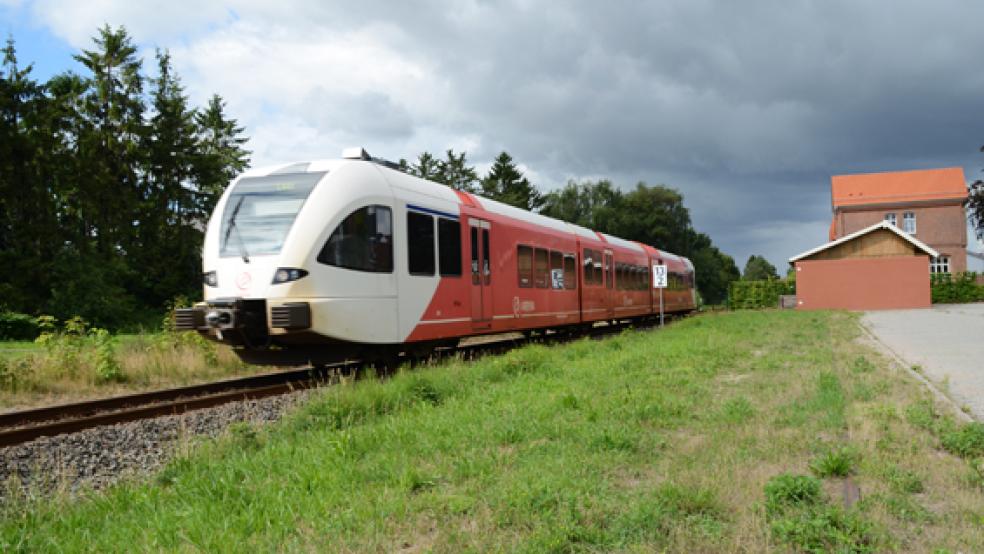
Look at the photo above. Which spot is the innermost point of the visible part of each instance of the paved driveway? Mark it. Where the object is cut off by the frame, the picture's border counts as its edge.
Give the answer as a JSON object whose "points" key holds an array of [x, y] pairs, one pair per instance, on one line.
{"points": [[947, 340]]}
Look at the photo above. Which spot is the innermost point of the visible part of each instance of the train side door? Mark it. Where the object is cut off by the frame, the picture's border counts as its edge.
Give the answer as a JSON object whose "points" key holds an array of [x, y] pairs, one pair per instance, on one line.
{"points": [[480, 240], [610, 283]]}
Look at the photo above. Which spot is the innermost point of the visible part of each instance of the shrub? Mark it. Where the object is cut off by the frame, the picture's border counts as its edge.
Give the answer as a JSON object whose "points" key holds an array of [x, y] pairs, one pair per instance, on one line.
{"points": [[17, 326], [107, 367], [959, 288], [752, 295]]}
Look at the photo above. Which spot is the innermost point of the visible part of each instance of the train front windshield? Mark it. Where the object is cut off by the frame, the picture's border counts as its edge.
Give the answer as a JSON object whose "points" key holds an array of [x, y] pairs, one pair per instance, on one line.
{"points": [[260, 211]]}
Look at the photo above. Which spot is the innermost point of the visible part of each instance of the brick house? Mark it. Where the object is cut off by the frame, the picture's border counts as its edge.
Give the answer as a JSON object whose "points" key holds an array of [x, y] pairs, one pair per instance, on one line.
{"points": [[927, 204]]}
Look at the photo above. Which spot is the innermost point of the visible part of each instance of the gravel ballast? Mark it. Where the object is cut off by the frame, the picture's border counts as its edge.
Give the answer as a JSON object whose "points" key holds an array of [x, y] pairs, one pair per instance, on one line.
{"points": [[101, 456]]}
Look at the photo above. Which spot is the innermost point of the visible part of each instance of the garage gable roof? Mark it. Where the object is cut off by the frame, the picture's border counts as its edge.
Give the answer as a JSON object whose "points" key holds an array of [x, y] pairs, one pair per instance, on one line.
{"points": [[880, 225]]}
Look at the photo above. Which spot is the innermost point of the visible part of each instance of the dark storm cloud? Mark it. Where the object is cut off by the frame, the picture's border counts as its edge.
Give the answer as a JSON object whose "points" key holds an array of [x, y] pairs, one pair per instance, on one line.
{"points": [[747, 107]]}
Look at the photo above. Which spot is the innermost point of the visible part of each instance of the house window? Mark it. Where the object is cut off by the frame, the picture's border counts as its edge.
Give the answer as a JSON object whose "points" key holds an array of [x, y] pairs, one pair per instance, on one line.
{"points": [[939, 265], [909, 222], [891, 218]]}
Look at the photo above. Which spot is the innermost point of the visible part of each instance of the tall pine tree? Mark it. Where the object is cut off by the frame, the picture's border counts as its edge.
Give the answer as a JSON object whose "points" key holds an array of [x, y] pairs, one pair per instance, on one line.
{"points": [[455, 172], [169, 245], [219, 156], [506, 183]]}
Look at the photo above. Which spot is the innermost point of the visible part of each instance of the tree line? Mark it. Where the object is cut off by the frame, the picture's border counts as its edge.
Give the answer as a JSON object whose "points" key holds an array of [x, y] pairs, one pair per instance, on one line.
{"points": [[651, 214], [108, 177], [106, 181]]}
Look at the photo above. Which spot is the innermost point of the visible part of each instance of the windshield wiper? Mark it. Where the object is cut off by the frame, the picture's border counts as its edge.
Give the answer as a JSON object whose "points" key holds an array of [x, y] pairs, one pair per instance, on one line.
{"points": [[231, 222]]}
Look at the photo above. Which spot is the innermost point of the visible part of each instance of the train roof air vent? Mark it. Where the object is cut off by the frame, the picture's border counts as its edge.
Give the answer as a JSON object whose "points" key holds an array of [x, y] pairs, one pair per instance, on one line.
{"points": [[356, 153], [359, 153]]}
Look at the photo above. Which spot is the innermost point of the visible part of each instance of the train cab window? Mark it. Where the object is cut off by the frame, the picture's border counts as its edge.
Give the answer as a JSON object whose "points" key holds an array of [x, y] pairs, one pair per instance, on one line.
{"points": [[420, 244], [556, 270], [524, 261], [363, 241], [541, 268], [449, 247], [570, 272]]}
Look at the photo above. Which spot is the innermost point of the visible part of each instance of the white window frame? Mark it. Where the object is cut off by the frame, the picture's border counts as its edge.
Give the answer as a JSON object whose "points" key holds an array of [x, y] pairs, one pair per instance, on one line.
{"points": [[890, 217], [909, 220], [939, 264]]}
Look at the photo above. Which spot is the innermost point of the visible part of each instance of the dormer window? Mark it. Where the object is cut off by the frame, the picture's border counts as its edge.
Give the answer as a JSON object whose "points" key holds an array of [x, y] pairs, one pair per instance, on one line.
{"points": [[890, 217], [909, 222]]}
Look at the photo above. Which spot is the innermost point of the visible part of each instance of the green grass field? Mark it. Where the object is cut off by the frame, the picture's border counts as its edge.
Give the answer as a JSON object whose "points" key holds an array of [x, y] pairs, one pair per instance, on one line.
{"points": [[726, 432]]}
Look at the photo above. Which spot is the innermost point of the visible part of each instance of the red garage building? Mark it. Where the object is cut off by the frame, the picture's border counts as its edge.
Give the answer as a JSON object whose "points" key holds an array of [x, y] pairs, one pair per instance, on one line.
{"points": [[879, 267]]}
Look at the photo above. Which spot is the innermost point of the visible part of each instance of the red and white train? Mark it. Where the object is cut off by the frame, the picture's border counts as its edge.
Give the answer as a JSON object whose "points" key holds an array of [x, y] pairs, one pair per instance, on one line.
{"points": [[352, 258]]}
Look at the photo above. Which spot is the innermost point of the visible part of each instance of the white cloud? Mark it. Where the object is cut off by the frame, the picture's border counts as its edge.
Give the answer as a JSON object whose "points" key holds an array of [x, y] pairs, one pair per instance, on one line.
{"points": [[748, 109]]}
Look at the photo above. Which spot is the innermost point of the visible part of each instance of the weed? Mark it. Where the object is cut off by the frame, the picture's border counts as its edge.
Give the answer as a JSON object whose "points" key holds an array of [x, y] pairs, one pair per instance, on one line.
{"points": [[975, 474], [791, 491], [966, 441], [244, 437], [415, 482], [924, 415], [835, 462], [862, 365], [611, 439], [107, 367], [904, 481], [737, 410], [569, 401], [905, 508], [826, 529]]}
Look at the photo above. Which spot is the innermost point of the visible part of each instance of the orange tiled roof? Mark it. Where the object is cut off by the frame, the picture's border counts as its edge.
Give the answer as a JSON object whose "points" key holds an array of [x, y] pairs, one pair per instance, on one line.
{"points": [[898, 186]]}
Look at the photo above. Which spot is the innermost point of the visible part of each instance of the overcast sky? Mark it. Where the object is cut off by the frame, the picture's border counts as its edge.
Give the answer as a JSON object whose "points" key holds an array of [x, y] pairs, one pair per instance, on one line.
{"points": [[746, 107]]}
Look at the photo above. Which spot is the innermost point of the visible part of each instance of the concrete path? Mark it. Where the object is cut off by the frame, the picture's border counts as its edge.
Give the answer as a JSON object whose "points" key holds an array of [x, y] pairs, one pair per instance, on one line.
{"points": [[947, 341]]}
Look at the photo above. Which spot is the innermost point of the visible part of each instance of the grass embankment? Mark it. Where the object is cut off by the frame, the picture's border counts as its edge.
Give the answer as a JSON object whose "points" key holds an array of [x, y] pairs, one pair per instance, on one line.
{"points": [[721, 433], [62, 367]]}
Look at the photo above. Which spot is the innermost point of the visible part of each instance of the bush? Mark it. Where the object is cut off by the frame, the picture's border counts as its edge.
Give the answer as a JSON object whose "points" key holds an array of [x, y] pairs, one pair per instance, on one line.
{"points": [[960, 288], [17, 326], [753, 295]]}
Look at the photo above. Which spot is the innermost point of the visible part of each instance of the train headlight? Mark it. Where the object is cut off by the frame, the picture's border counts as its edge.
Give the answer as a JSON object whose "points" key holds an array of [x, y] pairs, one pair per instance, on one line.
{"points": [[210, 278], [287, 274]]}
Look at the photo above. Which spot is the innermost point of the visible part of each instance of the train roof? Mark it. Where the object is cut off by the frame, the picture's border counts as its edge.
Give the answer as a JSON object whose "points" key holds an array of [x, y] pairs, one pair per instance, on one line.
{"points": [[430, 188]]}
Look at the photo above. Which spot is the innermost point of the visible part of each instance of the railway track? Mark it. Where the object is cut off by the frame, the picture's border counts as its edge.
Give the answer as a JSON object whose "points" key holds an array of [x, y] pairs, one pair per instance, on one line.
{"points": [[26, 425]]}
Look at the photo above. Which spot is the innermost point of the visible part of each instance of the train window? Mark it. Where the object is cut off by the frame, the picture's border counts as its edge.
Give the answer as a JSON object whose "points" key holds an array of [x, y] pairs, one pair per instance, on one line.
{"points": [[363, 241], [588, 267], [570, 271], [449, 247], [556, 270], [609, 271], [541, 268], [486, 265], [524, 261], [420, 244], [474, 255], [599, 278]]}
